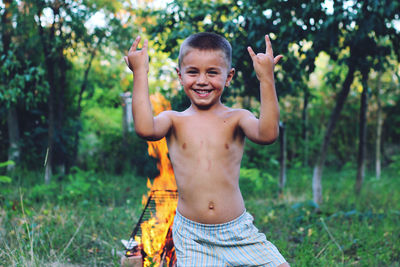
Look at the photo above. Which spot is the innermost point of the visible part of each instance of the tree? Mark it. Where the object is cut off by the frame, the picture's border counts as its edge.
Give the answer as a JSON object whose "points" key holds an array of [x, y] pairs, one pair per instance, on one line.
{"points": [[38, 40], [359, 29], [64, 32], [12, 119], [283, 157], [350, 33], [384, 84], [22, 79], [379, 123], [362, 145]]}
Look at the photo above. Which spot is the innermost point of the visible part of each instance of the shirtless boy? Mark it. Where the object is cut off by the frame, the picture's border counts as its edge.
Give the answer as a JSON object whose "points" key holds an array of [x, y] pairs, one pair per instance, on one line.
{"points": [[206, 142]]}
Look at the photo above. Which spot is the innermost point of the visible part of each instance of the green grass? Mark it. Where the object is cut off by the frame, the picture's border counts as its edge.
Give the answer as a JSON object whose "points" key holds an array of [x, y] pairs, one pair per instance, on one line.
{"points": [[348, 231], [79, 221], [49, 225]]}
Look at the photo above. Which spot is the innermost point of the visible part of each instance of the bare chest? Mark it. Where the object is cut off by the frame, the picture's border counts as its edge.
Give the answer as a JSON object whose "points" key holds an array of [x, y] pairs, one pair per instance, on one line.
{"points": [[209, 134]]}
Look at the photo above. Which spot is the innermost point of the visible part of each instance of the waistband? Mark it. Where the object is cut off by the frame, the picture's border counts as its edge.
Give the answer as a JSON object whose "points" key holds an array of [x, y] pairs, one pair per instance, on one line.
{"points": [[191, 223]]}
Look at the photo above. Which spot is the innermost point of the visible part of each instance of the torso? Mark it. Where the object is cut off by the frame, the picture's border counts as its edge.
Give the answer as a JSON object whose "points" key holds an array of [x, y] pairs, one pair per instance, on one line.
{"points": [[206, 149]]}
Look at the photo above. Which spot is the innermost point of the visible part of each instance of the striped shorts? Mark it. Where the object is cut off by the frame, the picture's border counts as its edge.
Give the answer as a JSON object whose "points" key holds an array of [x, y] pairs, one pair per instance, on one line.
{"points": [[235, 243]]}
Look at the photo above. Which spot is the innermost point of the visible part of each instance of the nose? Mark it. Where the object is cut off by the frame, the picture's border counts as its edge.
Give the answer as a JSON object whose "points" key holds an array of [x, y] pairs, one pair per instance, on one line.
{"points": [[201, 79]]}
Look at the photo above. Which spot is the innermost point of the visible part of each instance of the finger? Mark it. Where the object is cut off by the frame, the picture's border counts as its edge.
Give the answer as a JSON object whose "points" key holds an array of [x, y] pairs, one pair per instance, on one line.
{"points": [[268, 46], [277, 58], [126, 60], [135, 44], [145, 45], [251, 52]]}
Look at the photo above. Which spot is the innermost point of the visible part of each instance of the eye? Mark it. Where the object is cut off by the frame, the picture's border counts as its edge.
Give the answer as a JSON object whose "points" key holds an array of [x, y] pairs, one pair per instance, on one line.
{"points": [[191, 72], [212, 72]]}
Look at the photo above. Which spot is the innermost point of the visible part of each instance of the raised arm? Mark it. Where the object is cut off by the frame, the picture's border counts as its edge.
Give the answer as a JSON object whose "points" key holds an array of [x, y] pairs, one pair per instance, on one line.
{"points": [[146, 126], [264, 130]]}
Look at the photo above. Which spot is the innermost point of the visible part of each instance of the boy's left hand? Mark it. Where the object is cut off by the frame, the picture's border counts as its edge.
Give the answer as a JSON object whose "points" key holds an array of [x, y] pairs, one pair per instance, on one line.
{"points": [[264, 63], [138, 59]]}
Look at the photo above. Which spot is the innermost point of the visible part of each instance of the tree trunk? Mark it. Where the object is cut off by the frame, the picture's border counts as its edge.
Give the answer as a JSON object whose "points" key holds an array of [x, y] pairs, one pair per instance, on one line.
{"points": [[283, 157], [317, 174], [48, 173], [13, 136], [378, 128], [50, 71], [79, 105], [127, 120], [60, 154], [305, 126], [51, 137], [362, 145], [12, 116]]}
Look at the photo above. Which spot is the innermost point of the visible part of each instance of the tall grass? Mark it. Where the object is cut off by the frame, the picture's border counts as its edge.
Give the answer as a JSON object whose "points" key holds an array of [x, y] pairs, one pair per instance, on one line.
{"points": [[80, 220], [47, 225], [349, 230]]}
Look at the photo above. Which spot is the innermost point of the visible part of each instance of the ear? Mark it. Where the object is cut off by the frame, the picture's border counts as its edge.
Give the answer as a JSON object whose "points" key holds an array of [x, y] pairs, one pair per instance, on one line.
{"points": [[231, 73], [179, 74]]}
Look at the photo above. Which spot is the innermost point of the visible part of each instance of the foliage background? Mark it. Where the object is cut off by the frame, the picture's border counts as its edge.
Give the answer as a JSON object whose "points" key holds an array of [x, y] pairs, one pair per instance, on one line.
{"points": [[55, 55]]}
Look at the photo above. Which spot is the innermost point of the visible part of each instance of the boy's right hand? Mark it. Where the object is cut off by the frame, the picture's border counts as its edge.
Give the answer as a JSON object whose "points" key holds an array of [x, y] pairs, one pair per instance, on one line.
{"points": [[138, 60]]}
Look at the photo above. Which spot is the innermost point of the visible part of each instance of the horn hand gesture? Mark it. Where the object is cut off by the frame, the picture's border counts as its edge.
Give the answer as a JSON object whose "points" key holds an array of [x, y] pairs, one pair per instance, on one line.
{"points": [[138, 60], [264, 63]]}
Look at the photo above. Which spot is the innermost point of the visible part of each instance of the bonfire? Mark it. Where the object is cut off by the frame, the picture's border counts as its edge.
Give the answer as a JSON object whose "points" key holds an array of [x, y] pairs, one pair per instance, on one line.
{"points": [[151, 240]]}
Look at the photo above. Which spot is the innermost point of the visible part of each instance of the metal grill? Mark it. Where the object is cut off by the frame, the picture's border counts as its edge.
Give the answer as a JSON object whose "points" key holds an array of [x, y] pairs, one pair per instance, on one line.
{"points": [[156, 196]]}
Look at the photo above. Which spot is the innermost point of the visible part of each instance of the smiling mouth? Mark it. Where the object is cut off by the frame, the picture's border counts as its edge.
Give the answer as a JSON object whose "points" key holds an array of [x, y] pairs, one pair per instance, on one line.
{"points": [[202, 92]]}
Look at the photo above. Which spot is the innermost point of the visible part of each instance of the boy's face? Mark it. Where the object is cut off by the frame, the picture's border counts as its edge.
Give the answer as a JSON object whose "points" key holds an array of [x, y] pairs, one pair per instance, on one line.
{"points": [[203, 75]]}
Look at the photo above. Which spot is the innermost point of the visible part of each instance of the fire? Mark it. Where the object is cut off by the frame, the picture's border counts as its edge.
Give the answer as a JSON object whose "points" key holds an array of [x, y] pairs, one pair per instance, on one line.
{"points": [[155, 230]]}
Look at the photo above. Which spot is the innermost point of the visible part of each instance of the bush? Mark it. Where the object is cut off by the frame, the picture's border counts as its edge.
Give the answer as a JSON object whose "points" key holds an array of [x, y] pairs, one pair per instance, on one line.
{"points": [[261, 157], [104, 148], [256, 183], [394, 166]]}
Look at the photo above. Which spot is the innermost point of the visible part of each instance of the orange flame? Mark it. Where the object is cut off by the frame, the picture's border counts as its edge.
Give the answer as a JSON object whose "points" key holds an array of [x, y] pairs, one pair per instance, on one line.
{"points": [[155, 230]]}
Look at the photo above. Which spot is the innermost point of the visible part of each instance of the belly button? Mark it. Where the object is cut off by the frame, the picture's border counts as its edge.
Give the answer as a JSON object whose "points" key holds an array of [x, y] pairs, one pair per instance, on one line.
{"points": [[211, 205]]}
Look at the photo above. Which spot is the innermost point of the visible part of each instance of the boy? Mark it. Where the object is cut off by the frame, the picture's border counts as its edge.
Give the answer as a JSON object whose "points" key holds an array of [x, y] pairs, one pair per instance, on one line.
{"points": [[206, 142]]}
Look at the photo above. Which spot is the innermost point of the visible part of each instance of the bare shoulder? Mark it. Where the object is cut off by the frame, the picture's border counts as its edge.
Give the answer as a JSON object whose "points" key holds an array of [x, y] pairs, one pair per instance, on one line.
{"points": [[240, 113], [168, 113], [171, 114]]}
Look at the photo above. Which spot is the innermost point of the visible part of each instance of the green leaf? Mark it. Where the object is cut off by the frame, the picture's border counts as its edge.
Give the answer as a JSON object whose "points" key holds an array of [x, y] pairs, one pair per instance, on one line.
{"points": [[5, 179], [9, 162]]}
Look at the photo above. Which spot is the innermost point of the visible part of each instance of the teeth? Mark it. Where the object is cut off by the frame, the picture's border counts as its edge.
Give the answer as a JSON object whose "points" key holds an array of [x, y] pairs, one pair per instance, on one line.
{"points": [[202, 91]]}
